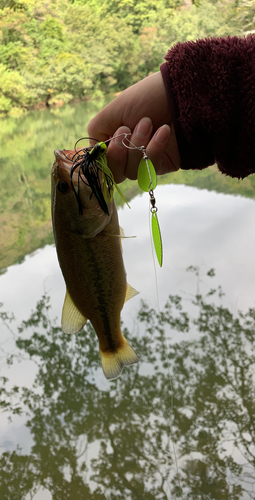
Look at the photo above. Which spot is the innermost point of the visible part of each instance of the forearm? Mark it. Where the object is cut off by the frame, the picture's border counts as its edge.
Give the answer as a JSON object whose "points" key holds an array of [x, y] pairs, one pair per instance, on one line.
{"points": [[211, 92]]}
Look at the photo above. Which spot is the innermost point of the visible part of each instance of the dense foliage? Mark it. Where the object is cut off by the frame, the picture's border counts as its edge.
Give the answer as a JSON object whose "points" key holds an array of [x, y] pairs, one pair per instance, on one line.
{"points": [[59, 50]]}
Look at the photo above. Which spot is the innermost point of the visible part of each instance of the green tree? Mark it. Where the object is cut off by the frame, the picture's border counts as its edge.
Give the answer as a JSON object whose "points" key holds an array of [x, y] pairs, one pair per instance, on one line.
{"points": [[64, 49], [244, 19], [141, 14]]}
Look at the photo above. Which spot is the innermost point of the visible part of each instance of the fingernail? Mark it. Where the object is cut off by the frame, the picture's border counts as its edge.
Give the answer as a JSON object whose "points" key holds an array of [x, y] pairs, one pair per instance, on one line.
{"points": [[143, 128], [120, 135], [162, 134]]}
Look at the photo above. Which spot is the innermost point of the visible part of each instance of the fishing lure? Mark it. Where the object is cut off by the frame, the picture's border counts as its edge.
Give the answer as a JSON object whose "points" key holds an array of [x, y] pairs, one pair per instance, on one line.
{"points": [[147, 181], [90, 162]]}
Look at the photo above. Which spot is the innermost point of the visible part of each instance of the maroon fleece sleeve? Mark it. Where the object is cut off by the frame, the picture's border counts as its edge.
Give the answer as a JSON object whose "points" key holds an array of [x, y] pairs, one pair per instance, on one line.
{"points": [[211, 90]]}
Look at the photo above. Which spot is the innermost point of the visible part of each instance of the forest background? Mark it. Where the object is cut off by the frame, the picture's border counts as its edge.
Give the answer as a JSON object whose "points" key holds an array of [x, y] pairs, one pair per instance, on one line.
{"points": [[58, 51]]}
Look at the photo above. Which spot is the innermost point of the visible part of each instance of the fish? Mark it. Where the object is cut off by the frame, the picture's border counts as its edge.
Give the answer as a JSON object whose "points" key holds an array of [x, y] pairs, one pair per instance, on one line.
{"points": [[90, 256]]}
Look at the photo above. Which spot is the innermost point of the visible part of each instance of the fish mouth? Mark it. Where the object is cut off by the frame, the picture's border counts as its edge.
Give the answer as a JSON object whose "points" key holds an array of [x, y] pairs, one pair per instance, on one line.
{"points": [[65, 155], [62, 165], [64, 160], [64, 169]]}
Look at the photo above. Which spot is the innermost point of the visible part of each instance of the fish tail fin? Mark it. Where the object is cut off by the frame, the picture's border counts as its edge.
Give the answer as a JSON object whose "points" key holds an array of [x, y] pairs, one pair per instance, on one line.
{"points": [[114, 361]]}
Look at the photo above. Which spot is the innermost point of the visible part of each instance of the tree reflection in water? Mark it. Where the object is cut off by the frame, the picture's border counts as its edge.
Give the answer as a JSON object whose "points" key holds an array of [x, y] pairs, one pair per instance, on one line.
{"points": [[212, 389]]}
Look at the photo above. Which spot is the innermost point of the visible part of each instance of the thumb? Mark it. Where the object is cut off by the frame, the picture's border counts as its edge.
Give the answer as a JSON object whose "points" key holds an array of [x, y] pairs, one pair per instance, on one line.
{"points": [[106, 122]]}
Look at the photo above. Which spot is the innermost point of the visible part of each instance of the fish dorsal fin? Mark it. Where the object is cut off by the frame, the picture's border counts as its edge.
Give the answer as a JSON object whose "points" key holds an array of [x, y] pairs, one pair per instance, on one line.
{"points": [[130, 292], [72, 319]]}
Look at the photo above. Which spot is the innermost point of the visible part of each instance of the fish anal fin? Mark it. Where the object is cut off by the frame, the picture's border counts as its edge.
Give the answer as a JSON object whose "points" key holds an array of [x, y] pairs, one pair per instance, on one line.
{"points": [[72, 319], [130, 292], [113, 362]]}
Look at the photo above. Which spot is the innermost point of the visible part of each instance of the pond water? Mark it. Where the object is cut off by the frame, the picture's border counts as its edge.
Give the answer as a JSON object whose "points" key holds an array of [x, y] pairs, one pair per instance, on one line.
{"points": [[180, 424]]}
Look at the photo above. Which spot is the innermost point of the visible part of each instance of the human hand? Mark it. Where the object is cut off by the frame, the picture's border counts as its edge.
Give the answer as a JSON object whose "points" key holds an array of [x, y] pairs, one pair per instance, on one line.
{"points": [[143, 111]]}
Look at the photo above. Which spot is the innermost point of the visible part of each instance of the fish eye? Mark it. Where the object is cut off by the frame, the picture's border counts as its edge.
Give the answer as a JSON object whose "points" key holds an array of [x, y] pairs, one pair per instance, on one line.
{"points": [[63, 186]]}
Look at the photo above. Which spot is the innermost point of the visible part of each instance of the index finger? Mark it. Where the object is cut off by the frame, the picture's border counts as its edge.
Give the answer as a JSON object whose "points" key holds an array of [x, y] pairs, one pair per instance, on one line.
{"points": [[117, 154]]}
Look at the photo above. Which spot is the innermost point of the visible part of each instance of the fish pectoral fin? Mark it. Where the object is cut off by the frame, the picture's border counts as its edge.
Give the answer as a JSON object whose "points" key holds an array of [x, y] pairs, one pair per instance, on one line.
{"points": [[130, 292], [121, 235], [72, 319], [113, 362]]}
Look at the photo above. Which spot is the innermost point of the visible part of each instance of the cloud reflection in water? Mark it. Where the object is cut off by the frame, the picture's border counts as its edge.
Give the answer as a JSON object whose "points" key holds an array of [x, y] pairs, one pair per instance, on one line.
{"points": [[70, 411]]}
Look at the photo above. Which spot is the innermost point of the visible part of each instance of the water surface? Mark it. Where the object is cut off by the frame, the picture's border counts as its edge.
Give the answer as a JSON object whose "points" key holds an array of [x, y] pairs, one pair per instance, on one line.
{"points": [[181, 423]]}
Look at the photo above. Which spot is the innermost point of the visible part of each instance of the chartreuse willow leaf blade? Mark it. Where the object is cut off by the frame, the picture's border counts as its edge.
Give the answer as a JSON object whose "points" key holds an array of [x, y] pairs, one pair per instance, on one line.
{"points": [[156, 235], [146, 176]]}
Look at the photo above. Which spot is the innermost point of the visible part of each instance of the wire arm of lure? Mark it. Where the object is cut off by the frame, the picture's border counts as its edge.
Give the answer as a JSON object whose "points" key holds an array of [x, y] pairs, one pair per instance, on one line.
{"points": [[86, 139]]}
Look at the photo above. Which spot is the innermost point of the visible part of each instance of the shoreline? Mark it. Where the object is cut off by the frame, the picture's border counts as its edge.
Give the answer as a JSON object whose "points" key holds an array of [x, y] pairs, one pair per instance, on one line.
{"points": [[17, 112]]}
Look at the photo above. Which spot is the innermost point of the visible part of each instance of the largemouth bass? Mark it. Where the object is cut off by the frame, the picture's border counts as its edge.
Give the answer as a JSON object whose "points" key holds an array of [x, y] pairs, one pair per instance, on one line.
{"points": [[90, 256]]}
